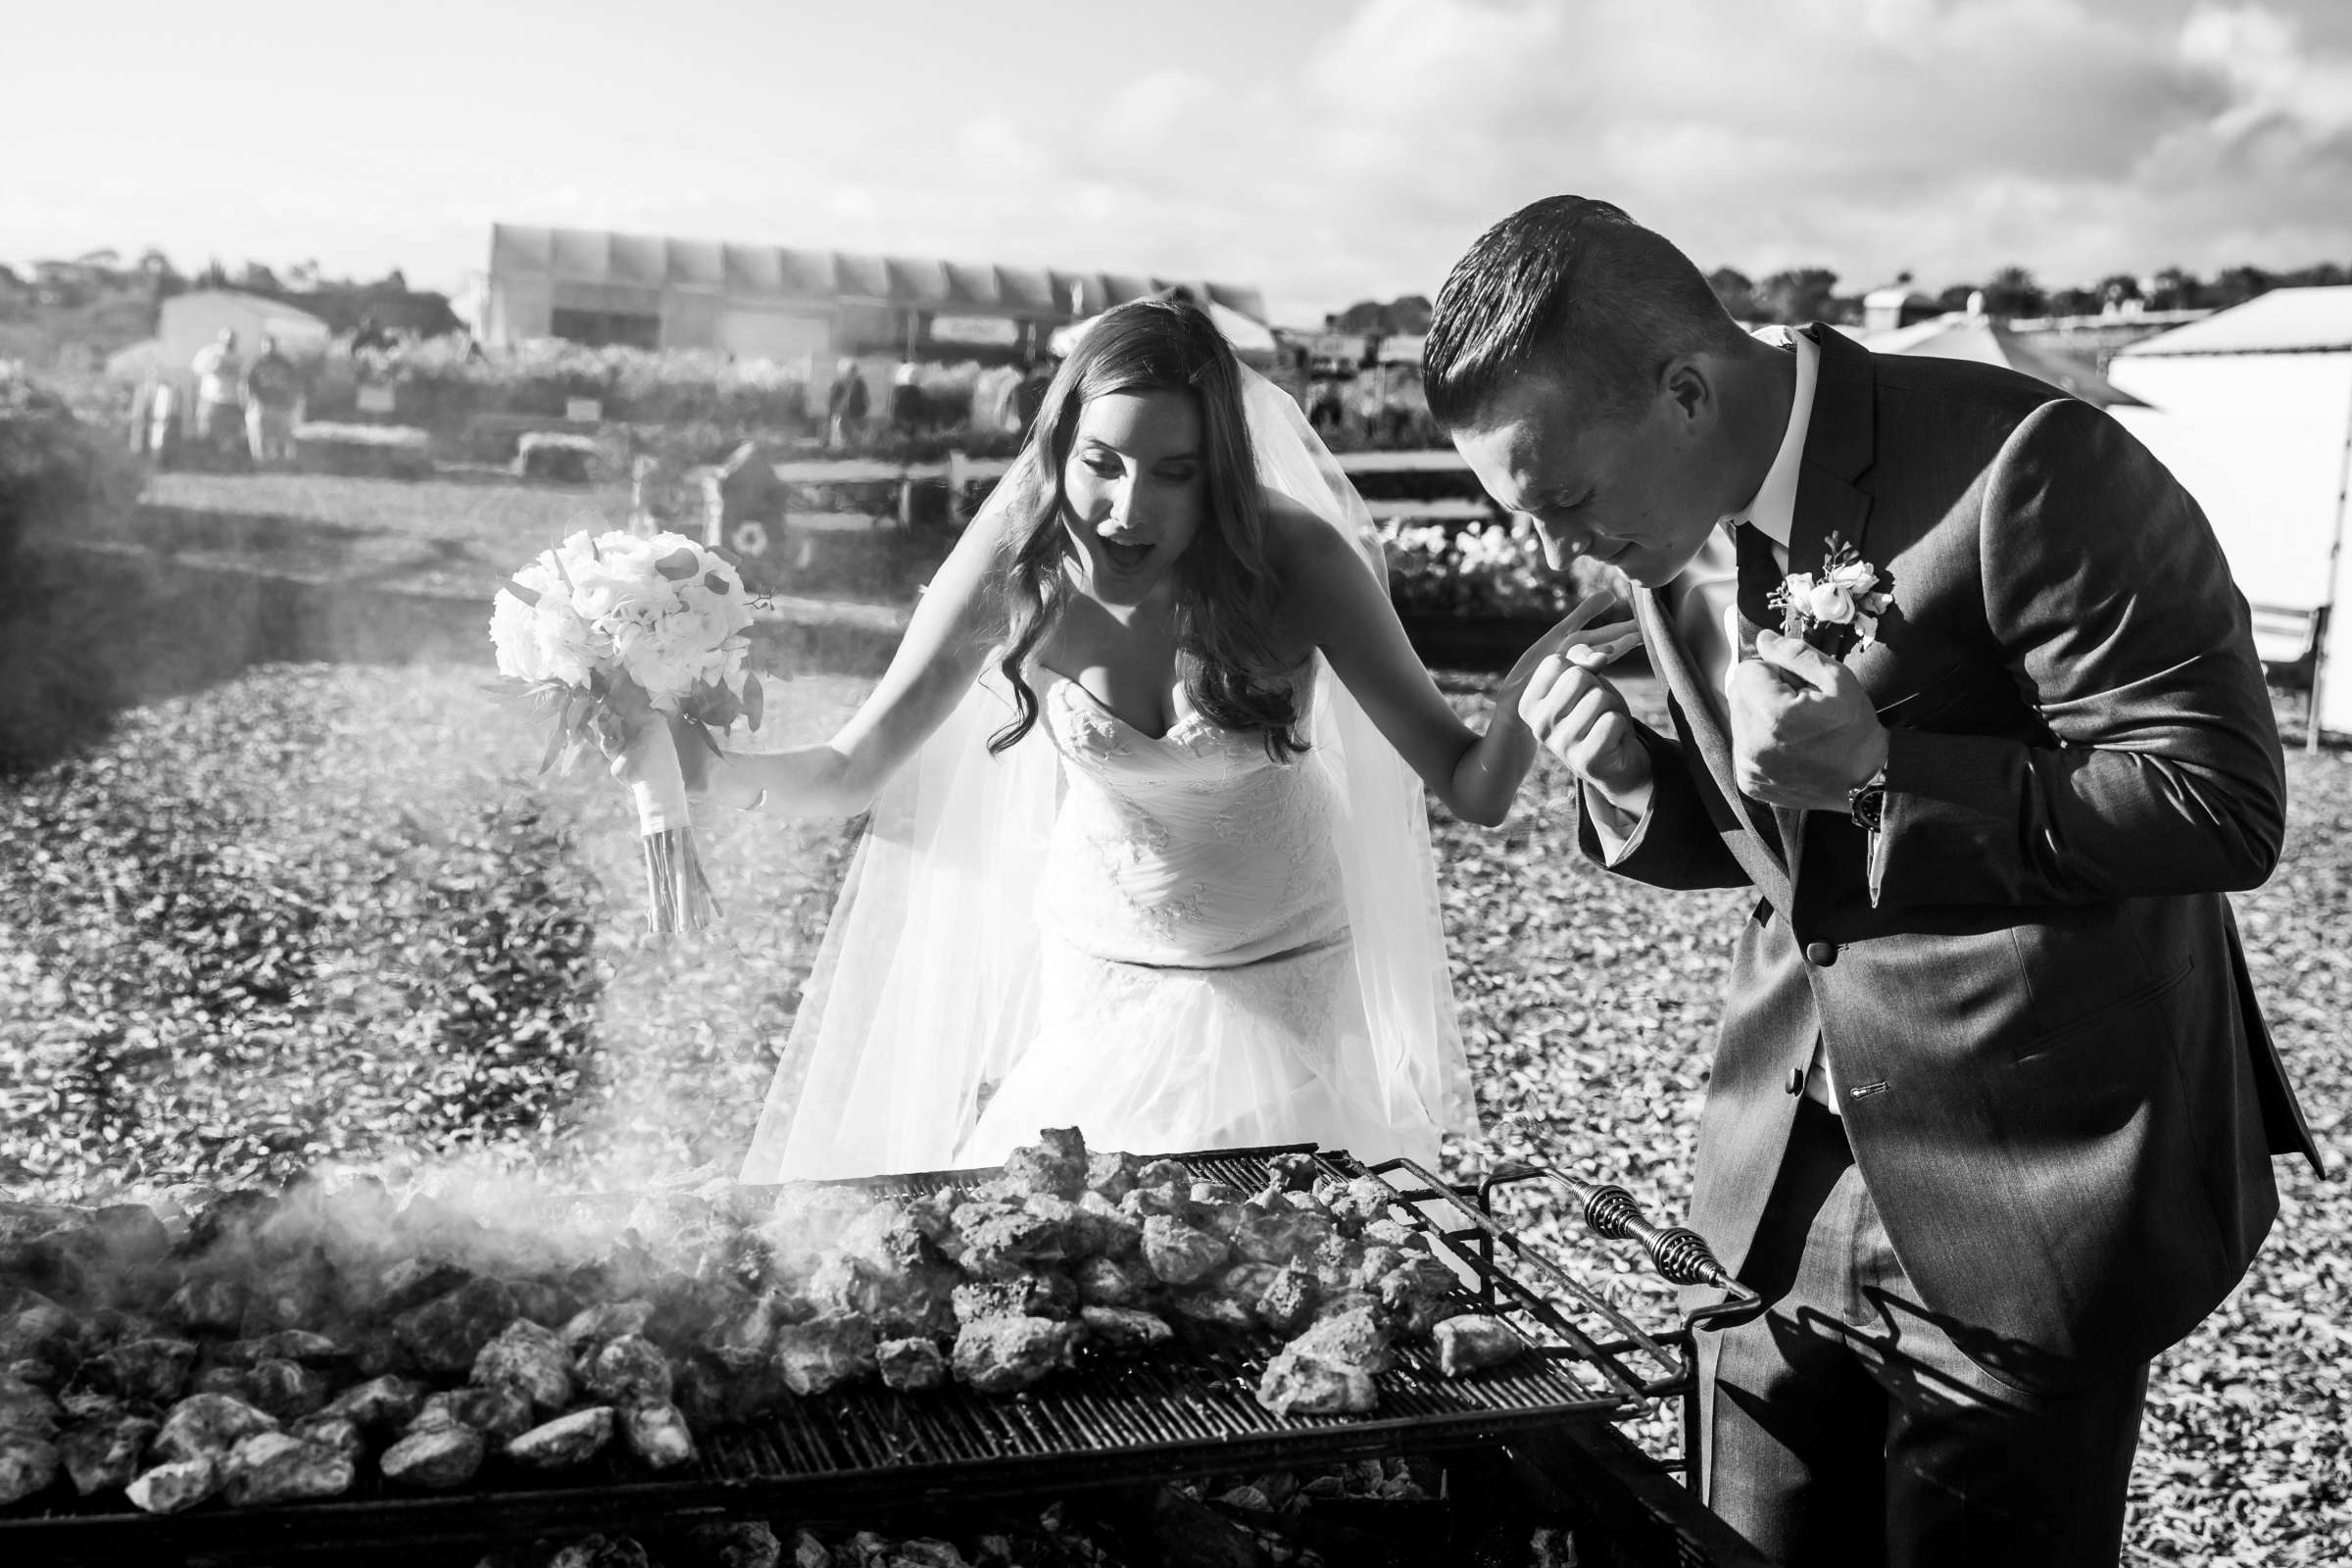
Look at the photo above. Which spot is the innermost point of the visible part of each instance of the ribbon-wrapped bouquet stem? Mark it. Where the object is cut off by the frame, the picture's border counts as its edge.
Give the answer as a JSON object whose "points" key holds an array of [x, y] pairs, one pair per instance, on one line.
{"points": [[617, 634]]}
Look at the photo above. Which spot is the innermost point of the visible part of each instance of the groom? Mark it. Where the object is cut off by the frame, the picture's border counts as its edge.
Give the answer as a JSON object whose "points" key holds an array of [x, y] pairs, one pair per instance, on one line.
{"points": [[1991, 1112]]}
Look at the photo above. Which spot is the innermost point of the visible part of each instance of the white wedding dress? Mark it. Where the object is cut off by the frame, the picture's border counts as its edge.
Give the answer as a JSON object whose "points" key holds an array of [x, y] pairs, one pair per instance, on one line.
{"points": [[1171, 943], [1196, 974]]}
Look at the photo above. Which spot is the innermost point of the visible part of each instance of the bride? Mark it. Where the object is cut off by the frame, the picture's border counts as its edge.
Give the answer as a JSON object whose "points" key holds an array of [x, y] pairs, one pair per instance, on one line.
{"points": [[1145, 857]]}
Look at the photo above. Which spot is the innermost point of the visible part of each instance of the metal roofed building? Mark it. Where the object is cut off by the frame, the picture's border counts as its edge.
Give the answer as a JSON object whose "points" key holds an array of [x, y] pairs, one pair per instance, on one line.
{"points": [[791, 305]]}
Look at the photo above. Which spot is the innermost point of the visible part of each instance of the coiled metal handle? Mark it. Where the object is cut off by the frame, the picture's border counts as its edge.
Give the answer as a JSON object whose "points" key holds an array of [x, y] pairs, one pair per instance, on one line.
{"points": [[1679, 1252]]}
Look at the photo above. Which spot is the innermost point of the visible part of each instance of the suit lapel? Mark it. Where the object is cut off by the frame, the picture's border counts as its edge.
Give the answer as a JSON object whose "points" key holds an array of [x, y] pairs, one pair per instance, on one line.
{"points": [[1840, 441], [1702, 717]]}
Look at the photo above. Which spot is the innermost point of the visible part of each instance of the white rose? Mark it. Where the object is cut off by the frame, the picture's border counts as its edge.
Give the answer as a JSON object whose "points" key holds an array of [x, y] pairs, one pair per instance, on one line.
{"points": [[1832, 603]]}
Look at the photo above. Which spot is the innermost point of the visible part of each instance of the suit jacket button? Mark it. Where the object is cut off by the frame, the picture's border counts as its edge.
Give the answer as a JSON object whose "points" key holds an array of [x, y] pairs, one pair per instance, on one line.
{"points": [[1821, 953], [1796, 1080]]}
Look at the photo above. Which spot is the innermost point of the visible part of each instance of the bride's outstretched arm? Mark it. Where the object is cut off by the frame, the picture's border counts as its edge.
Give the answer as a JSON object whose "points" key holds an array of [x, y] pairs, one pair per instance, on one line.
{"points": [[1348, 614], [956, 622]]}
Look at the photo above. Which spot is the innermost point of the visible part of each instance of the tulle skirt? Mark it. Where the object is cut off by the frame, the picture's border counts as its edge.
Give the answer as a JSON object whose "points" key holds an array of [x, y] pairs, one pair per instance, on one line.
{"points": [[1152, 1060]]}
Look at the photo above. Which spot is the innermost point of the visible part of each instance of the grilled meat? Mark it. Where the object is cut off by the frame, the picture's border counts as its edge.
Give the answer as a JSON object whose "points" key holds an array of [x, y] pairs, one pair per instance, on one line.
{"points": [[566, 1441], [1472, 1341], [277, 1467]]}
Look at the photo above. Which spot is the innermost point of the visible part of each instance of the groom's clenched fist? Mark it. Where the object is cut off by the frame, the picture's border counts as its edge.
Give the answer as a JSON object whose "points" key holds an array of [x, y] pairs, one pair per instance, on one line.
{"points": [[1803, 730], [1579, 716]]}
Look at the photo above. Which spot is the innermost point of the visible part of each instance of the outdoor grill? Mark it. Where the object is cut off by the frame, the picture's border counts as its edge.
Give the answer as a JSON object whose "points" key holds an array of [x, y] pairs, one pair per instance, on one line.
{"points": [[1543, 1428]]}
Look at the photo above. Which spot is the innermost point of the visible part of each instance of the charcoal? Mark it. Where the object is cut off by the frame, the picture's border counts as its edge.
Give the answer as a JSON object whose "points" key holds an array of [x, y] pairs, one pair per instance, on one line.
{"points": [[276, 1467], [335, 1434], [1098, 1229], [528, 1356], [1279, 1236], [447, 1333], [1110, 1174], [287, 1389], [1122, 1327], [1054, 1296], [1295, 1172], [1472, 1341], [102, 1454], [1055, 1163], [744, 1338], [566, 1441], [608, 1320], [1167, 1175], [40, 1329], [294, 1293], [499, 1413], [226, 1221], [1352, 1335], [436, 1458], [49, 1266], [1419, 1294], [601, 1551], [824, 1352], [911, 1364], [208, 1305], [381, 1404], [29, 1465], [35, 1373], [377, 1351], [236, 1382], [176, 1485], [1005, 1354], [657, 1434], [543, 1301], [1178, 1253], [1212, 1309], [28, 1409], [809, 1553], [1108, 1282], [412, 1282], [1287, 1304], [302, 1346], [627, 1370], [751, 1545], [209, 1424], [1295, 1383]]}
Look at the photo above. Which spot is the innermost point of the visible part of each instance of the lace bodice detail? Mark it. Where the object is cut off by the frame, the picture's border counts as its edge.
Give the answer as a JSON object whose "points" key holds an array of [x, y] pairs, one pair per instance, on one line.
{"points": [[1194, 848]]}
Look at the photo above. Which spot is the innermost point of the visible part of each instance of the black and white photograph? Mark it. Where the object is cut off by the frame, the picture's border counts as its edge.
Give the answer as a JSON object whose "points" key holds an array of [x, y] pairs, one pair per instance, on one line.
{"points": [[1335, 784]]}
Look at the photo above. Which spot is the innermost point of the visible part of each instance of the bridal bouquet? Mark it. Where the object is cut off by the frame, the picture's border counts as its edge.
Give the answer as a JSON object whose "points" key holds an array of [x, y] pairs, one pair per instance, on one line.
{"points": [[617, 632]]}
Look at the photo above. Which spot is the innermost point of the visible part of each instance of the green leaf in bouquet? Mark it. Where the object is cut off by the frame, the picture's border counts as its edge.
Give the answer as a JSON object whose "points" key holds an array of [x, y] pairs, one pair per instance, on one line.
{"points": [[715, 582], [677, 566], [556, 737], [555, 558], [754, 701], [514, 586]]}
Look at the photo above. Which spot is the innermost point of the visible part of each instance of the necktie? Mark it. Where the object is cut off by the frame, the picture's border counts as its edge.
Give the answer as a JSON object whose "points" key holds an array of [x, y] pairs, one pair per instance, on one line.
{"points": [[1759, 575]]}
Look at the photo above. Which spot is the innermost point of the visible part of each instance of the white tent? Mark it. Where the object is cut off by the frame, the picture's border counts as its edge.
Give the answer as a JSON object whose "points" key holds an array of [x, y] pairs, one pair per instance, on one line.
{"points": [[2252, 410]]}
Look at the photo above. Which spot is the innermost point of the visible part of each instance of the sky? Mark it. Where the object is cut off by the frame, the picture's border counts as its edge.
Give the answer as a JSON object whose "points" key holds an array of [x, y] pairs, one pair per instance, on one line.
{"points": [[1325, 151]]}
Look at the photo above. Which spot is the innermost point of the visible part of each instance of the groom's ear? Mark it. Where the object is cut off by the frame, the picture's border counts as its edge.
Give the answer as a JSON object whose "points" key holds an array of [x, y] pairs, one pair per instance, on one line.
{"points": [[1689, 383]]}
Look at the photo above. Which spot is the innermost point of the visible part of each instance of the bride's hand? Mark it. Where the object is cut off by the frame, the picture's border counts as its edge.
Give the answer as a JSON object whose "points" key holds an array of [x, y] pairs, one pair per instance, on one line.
{"points": [[1575, 640]]}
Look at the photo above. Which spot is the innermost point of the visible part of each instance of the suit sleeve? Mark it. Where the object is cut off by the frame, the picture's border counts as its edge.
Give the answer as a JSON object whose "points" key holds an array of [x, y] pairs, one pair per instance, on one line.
{"points": [[1675, 844], [2113, 608]]}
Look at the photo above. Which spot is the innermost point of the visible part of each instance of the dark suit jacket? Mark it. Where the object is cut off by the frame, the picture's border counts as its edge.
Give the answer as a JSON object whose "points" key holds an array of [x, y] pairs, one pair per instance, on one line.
{"points": [[2054, 1075]]}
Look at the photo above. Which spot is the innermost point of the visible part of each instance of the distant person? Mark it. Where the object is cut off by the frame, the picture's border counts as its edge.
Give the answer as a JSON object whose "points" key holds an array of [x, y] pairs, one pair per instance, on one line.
{"points": [[370, 337], [845, 407], [220, 393], [272, 393], [1324, 410], [905, 399]]}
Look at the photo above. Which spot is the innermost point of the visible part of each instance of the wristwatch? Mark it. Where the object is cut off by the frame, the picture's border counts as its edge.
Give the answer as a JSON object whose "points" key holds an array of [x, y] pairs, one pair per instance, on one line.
{"points": [[1866, 801]]}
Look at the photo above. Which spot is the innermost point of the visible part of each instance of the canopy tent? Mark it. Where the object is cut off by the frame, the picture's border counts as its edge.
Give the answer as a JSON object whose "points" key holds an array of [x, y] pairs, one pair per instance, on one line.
{"points": [[1960, 335], [2252, 409], [1252, 341], [189, 321]]}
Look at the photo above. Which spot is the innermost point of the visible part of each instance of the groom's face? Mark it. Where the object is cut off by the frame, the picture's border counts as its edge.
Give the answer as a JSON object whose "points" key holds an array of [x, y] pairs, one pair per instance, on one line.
{"points": [[1633, 492]]}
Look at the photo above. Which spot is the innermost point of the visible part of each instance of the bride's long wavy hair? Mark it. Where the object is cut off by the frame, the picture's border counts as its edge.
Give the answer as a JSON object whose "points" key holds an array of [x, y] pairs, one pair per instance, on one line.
{"points": [[1225, 592]]}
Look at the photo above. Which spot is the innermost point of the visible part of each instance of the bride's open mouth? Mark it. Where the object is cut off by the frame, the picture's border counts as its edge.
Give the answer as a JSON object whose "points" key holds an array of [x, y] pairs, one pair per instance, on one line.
{"points": [[1125, 556]]}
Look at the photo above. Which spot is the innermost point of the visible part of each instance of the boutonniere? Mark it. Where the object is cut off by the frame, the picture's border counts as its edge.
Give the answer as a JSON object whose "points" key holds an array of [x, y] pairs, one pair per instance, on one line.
{"points": [[1845, 595]]}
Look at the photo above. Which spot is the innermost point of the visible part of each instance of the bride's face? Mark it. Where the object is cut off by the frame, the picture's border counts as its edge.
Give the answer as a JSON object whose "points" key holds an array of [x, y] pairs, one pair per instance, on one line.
{"points": [[1135, 490]]}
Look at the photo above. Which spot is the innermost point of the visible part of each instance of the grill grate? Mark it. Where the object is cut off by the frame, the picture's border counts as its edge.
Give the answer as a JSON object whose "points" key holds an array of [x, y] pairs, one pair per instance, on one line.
{"points": [[1183, 1409]]}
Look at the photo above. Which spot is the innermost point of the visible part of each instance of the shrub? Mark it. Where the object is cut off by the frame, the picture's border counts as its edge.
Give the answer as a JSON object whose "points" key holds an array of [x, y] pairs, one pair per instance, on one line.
{"points": [[56, 471], [1483, 571]]}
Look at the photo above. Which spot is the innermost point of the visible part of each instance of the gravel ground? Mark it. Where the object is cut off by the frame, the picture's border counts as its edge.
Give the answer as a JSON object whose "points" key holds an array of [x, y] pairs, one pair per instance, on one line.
{"points": [[320, 915]]}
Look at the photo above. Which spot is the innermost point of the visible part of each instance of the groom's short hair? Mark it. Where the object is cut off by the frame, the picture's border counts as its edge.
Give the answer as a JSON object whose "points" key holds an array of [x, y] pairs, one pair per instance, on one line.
{"points": [[1571, 288]]}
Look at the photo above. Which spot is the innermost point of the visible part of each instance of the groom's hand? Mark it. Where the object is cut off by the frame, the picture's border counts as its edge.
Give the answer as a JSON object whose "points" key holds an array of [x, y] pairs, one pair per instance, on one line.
{"points": [[1803, 730], [1580, 717]]}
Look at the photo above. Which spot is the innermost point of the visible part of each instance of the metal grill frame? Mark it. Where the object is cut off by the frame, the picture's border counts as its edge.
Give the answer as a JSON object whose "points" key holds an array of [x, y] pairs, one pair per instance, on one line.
{"points": [[1178, 1411]]}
